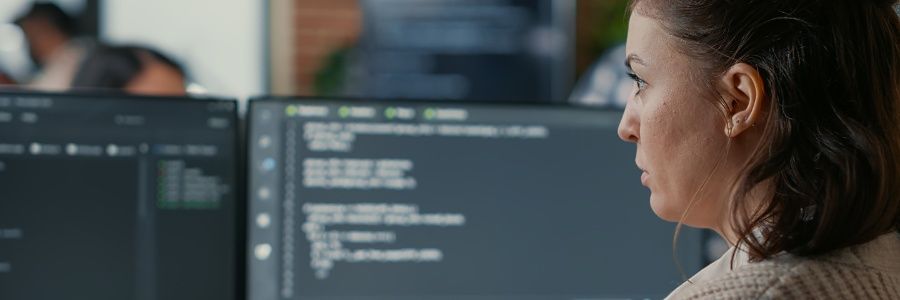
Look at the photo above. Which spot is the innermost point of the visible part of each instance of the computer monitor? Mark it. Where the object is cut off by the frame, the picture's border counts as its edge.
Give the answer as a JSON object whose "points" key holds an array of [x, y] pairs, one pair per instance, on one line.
{"points": [[355, 199], [118, 197], [455, 49]]}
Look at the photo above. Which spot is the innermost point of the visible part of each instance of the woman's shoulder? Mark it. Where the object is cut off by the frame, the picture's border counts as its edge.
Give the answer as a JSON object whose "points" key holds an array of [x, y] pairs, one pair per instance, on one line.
{"points": [[868, 271]]}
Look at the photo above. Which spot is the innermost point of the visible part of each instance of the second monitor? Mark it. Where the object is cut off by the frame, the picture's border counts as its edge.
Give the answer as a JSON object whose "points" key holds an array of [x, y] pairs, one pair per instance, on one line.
{"points": [[118, 197], [412, 200]]}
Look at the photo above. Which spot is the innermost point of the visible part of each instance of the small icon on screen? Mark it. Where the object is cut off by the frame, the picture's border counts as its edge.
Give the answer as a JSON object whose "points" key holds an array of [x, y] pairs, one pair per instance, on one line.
{"points": [[35, 148], [265, 141], [112, 150], [264, 193], [262, 251], [72, 149], [268, 164], [263, 220]]}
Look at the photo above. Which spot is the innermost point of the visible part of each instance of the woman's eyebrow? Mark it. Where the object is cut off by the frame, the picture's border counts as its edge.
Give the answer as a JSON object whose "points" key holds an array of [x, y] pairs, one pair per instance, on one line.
{"points": [[634, 58]]}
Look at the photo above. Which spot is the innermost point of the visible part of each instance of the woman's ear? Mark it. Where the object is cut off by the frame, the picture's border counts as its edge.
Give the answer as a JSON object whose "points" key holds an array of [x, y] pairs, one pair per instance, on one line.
{"points": [[743, 90]]}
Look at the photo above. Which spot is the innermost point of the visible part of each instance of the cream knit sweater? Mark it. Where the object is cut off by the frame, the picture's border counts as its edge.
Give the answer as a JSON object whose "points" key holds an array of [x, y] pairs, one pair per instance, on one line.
{"points": [[867, 271]]}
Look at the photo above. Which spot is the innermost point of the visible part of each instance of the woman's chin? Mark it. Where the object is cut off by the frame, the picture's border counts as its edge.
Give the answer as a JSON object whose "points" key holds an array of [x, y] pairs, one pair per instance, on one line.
{"points": [[664, 209]]}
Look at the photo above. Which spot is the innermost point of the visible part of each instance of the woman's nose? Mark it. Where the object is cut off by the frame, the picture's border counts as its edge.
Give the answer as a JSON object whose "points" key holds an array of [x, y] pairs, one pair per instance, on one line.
{"points": [[629, 125]]}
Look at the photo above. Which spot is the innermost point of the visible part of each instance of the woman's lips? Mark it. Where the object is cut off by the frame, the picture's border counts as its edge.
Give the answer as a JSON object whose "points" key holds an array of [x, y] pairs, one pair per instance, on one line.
{"points": [[644, 178]]}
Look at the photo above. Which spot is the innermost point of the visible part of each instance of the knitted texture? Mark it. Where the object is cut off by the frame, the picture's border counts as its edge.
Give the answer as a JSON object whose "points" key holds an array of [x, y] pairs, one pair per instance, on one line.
{"points": [[868, 271]]}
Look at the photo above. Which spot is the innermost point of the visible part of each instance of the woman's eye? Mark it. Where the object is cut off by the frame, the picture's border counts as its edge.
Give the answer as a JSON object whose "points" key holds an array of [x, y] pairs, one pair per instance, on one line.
{"points": [[638, 82]]}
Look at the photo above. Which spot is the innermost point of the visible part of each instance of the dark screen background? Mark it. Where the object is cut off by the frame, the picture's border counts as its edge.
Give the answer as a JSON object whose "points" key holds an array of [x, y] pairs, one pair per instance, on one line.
{"points": [[558, 218], [96, 227]]}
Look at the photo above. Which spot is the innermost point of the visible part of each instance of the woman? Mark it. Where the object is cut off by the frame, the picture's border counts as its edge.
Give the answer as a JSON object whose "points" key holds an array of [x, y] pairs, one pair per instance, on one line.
{"points": [[775, 123]]}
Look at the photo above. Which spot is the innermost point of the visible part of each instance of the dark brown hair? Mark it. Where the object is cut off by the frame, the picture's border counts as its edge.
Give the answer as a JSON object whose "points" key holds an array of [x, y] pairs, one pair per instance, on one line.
{"points": [[114, 67], [830, 147], [52, 14]]}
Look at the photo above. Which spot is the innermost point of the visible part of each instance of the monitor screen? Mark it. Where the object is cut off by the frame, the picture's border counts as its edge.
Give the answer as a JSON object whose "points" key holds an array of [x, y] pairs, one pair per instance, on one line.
{"points": [[449, 49], [353, 199], [118, 197]]}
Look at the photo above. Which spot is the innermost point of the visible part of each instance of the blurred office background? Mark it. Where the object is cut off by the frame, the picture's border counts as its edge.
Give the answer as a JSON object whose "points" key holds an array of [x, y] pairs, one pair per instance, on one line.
{"points": [[221, 43], [560, 51], [497, 50], [536, 51]]}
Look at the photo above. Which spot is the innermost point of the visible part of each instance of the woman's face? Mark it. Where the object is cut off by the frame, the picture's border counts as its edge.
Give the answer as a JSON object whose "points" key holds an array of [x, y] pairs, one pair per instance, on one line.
{"points": [[679, 132]]}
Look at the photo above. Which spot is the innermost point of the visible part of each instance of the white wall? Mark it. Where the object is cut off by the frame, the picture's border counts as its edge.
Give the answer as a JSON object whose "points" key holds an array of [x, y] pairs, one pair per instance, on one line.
{"points": [[222, 43]]}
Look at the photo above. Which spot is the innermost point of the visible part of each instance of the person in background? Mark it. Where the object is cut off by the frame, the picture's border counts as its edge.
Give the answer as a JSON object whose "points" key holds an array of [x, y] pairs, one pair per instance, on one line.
{"points": [[775, 123], [132, 69], [50, 34]]}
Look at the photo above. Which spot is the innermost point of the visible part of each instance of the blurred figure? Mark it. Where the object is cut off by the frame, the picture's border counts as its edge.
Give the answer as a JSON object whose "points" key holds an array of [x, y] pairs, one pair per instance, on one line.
{"points": [[132, 69], [50, 34]]}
